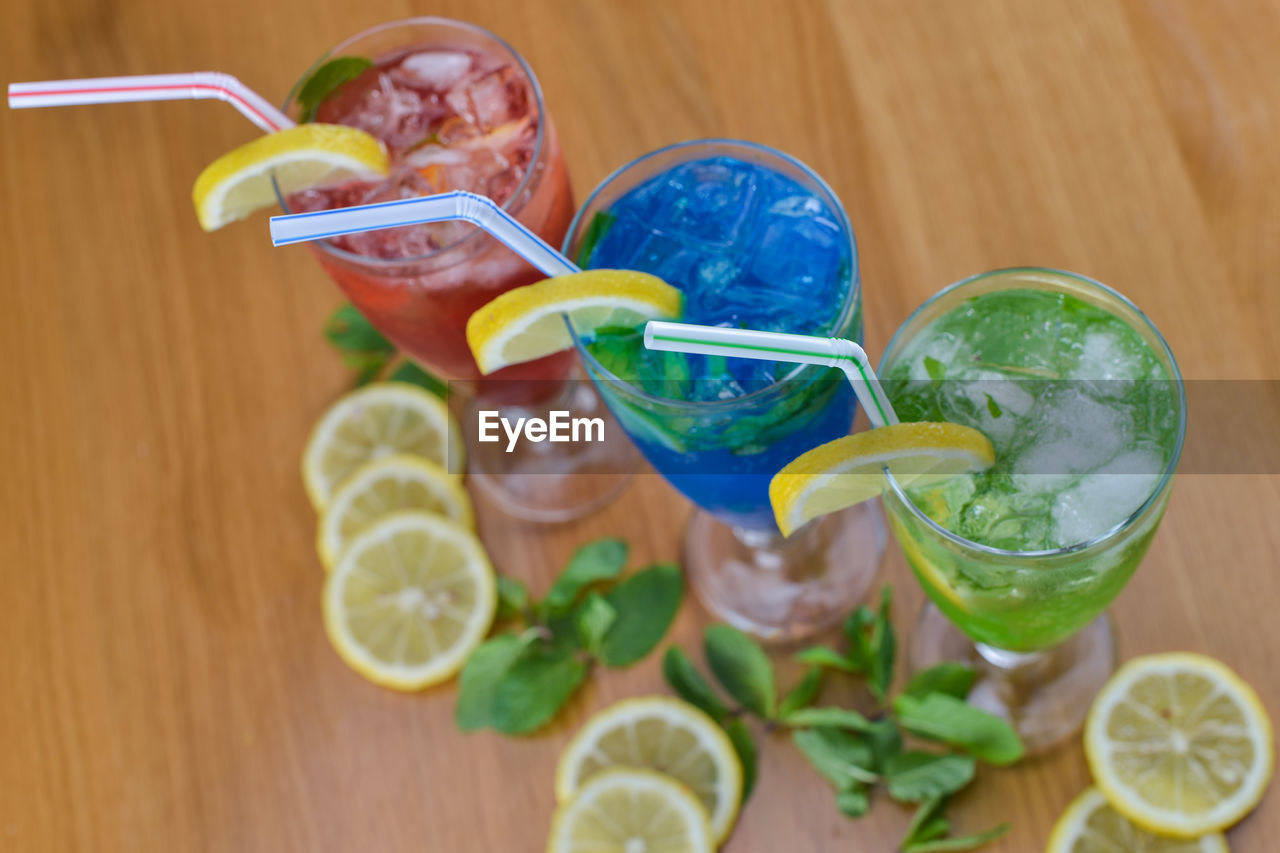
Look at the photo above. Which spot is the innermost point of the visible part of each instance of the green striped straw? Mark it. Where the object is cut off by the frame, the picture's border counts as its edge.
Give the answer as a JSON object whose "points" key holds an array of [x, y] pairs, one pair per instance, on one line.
{"points": [[778, 346]]}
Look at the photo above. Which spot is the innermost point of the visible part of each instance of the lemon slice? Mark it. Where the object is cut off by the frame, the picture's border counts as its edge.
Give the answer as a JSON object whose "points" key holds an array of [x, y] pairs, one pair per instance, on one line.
{"points": [[409, 600], [1090, 825], [849, 470], [626, 810], [1179, 744], [375, 421], [528, 322], [239, 182], [385, 486], [663, 734]]}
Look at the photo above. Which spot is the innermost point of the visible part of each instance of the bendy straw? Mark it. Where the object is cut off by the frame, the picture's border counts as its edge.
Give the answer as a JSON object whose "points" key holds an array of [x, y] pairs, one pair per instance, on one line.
{"points": [[777, 346], [151, 87], [451, 206]]}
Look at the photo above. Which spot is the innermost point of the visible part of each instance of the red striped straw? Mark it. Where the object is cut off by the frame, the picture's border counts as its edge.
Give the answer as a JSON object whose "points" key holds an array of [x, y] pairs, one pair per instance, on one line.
{"points": [[151, 87]]}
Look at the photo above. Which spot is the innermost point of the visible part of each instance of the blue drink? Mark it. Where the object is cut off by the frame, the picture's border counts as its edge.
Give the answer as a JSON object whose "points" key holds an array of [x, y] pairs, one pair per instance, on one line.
{"points": [[754, 239], [750, 247]]}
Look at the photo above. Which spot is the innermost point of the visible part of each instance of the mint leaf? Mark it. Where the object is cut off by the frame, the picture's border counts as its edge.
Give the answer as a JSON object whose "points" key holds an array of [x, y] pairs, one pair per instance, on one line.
{"points": [[742, 668], [407, 371], [925, 821], [480, 676], [842, 758], [993, 407], [949, 677], [853, 800], [885, 742], [535, 687], [745, 747], [802, 694], [646, 604], [600, 223], [563, 629], [326, 79], [823, 656], [933, 828], [593, 562], [857, 628], [593, 619], [689, 685], [362, 347], [840, 718], [915, 776], [883, 649], [940, 717], [349, 331], [513, 597], [937, 370], [957, 842]]}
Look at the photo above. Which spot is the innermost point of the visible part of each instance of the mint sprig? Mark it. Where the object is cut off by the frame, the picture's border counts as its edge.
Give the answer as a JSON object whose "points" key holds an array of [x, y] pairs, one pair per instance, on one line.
{"points": [[367, 351], [326, 80], [517, 681], [858, 754]]}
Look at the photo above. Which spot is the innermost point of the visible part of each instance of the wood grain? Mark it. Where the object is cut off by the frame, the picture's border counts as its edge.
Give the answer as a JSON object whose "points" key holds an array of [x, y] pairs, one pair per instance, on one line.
{"points": [[168, 684]]}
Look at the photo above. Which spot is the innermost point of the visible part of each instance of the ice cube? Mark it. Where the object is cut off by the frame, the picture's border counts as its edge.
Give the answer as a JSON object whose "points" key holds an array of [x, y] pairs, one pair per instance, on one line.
{"points": [[1071, 433], [705, 203], [630, 244], [802, 206], [942, 349], [436, 69], [1106, 497], [999, 401], [397, 115], [800, 255], [1108, 365], [492, 99]]}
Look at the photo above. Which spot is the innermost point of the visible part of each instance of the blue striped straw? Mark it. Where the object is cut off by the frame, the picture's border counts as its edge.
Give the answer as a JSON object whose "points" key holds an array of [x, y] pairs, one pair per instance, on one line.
{"points": [[456, 206]]}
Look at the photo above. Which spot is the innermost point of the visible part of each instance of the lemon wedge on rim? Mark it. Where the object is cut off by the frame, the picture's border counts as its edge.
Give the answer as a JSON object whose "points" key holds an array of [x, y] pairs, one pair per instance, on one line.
{"points": [[528, 322], [309, 155], [850, 469]]}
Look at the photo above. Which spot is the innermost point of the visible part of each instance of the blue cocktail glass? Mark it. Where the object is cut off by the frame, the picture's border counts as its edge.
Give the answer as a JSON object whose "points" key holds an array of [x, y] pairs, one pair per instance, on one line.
{"points": [[754, 238]]}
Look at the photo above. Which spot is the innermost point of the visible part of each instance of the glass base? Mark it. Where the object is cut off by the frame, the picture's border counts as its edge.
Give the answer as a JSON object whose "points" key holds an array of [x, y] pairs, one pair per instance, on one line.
{"points": [[1045, 695], [545, 481], [785, 589]]}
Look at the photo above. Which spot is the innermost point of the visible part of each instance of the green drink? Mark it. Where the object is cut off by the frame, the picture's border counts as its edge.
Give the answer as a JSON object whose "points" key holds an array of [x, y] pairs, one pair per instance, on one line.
{"points": [[1084, 405]]}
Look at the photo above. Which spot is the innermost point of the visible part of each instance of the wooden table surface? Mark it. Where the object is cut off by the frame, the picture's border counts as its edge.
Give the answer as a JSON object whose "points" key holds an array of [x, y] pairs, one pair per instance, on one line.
{"points": [[167, 683]]}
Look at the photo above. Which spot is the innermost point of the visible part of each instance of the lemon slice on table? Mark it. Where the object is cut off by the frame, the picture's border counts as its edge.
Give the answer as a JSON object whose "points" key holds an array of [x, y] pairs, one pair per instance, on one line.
{"points": [[527, 323], [378, 420], [663, 734], [625, 810], [384, 486], [1091, 825], [309, 155], [1179, 744], [849, 470], [409, 600]]}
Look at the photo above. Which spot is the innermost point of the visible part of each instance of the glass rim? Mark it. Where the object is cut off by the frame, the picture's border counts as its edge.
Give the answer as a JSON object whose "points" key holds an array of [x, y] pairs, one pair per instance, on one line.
{"points": [[1124, 523], [508, 205], [846, 310]]}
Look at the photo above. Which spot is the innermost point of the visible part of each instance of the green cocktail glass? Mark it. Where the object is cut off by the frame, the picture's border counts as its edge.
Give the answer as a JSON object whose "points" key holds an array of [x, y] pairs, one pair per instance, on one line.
{"points": [[1084, 403]]}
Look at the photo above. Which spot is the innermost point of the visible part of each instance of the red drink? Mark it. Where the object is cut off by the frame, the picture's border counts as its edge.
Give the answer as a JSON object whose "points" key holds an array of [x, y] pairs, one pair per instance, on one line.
{"points": [[458, 110]]}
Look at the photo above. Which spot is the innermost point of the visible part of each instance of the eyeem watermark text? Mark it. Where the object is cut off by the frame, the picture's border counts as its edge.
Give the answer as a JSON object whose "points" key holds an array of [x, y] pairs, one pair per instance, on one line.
{"points": [[559, 427]]}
